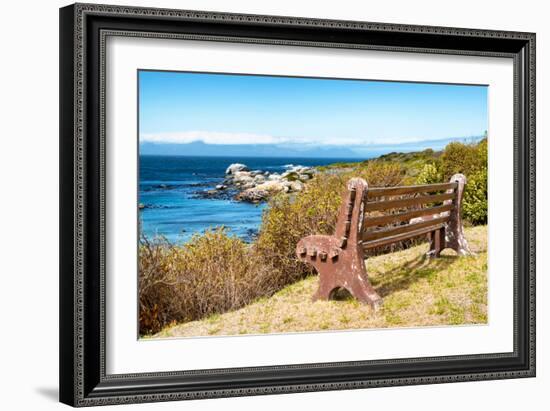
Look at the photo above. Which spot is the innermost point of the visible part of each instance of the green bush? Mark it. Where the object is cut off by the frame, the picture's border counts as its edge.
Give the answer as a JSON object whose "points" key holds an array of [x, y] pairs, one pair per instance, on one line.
{"points": [[470, 160], [474, 203], [482, 152], [461, 158], [467, 159], [429, 175]]}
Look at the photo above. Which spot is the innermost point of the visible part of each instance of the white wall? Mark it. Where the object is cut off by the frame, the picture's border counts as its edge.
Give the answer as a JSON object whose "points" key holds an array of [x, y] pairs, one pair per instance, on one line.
{"points": [[29, 205]]}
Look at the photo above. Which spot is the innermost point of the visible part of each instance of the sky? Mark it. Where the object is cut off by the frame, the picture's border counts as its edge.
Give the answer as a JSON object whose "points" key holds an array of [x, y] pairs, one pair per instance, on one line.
{"points": [[225, 109]]}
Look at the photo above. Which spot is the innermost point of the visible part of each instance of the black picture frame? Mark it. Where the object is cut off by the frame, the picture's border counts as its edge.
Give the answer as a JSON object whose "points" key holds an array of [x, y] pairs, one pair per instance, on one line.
{"points": [[83, 29]]}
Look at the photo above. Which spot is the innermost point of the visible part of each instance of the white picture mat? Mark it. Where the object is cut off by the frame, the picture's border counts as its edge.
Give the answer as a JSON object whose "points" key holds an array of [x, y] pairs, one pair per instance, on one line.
{"points": [[126, 354]]}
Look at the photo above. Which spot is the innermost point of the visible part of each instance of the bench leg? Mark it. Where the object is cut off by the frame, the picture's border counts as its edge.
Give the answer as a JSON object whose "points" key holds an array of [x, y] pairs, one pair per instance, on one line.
{"points": [[455, 239], [361, 288], [437, 242], [350, 275], [454, 231]]}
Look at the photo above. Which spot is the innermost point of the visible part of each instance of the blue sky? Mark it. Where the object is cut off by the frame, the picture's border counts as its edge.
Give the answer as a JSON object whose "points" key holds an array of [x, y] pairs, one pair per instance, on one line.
{"points": [[179, 108]]}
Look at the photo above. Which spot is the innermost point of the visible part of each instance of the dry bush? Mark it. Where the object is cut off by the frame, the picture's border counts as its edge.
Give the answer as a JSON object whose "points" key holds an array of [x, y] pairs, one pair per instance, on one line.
{"points": [[288, 219], [158, 303], [213, 273], [380, 174]]}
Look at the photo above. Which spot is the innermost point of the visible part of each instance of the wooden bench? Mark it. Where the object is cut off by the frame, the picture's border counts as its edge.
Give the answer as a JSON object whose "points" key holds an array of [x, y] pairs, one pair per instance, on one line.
{"points": [[402, 213]]}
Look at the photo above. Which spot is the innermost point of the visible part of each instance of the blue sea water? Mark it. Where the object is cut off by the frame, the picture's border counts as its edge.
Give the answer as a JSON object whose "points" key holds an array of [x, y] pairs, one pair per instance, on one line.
{"points": [[170, 186]]}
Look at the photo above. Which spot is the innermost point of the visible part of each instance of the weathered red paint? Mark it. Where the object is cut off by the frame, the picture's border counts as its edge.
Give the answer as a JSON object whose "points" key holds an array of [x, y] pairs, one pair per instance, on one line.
{"points": [[345, 267]]}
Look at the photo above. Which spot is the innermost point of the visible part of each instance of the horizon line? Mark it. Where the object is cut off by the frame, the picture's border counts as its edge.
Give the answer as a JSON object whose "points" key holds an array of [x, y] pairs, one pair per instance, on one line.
{"points": [[317, 144]]}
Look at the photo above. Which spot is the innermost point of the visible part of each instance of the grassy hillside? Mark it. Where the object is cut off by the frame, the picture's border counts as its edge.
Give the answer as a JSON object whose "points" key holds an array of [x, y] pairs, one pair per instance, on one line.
{"points": [[412, 163], [417, 292]]}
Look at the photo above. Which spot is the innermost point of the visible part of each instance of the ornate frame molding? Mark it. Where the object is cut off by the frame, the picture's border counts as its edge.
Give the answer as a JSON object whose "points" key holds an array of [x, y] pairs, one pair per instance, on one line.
{"points": [[82, 335]]}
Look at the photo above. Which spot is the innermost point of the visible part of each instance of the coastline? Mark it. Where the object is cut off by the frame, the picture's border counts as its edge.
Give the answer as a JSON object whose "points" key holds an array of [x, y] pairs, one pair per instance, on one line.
{"points": [[183, 195]]}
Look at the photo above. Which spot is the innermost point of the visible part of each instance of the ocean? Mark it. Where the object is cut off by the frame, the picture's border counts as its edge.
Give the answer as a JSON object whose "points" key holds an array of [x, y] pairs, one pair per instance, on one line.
{"points": [[170, 190]]}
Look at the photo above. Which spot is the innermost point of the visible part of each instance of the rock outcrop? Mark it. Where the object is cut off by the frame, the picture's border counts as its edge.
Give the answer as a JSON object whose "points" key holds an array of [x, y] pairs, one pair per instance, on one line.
{"points": [[256, 186], [233, 168]]}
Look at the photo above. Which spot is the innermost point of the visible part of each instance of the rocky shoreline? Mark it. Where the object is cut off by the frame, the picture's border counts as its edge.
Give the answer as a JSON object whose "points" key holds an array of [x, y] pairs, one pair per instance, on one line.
{"points": [[255, 186]]}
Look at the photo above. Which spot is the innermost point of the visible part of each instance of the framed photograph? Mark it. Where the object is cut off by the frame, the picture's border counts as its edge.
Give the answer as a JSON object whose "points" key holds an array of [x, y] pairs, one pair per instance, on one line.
{"points": [[261, 204]]}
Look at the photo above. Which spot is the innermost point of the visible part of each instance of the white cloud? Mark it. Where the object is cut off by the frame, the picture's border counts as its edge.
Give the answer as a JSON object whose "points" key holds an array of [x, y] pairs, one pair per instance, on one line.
{"points": [[213, 137]]}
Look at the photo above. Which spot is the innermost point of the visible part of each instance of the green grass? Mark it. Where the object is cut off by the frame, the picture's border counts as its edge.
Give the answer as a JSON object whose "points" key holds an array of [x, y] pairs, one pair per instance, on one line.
{"points": [[417, 291]]}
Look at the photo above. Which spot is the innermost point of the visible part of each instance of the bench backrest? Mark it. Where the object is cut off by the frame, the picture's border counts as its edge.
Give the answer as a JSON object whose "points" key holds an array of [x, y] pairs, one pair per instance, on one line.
{"points": [[406, 212], [393, 214]]}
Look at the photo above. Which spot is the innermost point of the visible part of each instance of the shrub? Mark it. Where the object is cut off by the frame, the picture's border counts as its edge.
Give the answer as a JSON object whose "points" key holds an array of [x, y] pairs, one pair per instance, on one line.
{"points": [[461, 158], [380, 174], [287, 219], [474, 204], [212, 273], [482, 152], [470, 160], [413, 162], [429, 175], [156, 287]]}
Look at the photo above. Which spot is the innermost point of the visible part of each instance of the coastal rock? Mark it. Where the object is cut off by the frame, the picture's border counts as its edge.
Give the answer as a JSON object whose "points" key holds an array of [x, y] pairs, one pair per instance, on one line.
{"points": [[164, 186], [217, 194], [142, 206], [296, 186], [256, 186], [259, 179], [245, 186], [298, 173], [252, 195], [242, 178], [235, 167], [302, 170], [272, 186], [262, 191]]}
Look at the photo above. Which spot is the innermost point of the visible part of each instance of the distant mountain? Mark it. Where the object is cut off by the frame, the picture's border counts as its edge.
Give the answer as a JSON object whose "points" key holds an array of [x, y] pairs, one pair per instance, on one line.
{"points": [[198, 148]]}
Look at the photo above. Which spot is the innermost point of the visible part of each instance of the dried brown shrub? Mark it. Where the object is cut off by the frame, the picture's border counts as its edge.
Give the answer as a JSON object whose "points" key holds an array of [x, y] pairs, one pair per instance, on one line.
{"points": [[213, 273]]}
